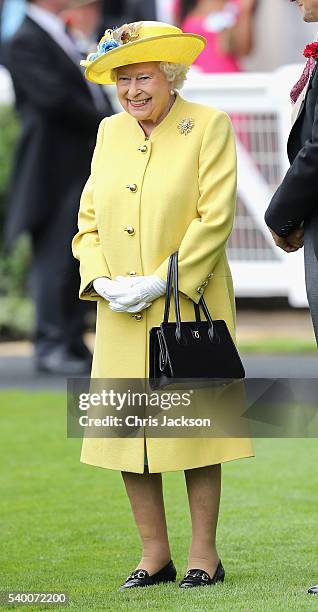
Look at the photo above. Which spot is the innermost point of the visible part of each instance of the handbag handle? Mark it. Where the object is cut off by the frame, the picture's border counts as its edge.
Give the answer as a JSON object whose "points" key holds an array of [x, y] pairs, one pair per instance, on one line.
{"points": [[168, 290], [172, 277]]}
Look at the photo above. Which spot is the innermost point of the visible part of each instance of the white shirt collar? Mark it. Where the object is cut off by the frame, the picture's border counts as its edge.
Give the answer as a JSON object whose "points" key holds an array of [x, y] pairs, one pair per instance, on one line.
{"points": [[47, 20], [55, 27]]}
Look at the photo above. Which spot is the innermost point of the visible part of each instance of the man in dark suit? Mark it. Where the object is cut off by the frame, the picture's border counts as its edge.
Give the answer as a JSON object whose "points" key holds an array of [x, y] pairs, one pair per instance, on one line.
{"points": [[151, 10], [60, 114], [292, 215], [115, 13]]}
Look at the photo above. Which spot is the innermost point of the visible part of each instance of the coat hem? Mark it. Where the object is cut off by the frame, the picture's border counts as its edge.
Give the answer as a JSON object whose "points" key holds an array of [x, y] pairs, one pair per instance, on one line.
{"points": [[172, 469]]}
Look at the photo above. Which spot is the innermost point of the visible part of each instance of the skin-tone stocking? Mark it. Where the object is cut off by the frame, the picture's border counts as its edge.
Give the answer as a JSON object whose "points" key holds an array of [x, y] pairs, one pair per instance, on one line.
{"points": [[204, 489], [146, 499]]}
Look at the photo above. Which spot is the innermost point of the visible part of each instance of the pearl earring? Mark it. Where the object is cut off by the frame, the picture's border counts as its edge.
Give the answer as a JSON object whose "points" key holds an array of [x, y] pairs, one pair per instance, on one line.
{"points": [[172, 92]]}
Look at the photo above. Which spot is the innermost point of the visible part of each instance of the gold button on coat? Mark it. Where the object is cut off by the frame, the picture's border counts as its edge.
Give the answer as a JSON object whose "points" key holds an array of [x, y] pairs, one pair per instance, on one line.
{"points": [[137, 317], [132, 273], [133, 187], [130, 230], [143, 149]]}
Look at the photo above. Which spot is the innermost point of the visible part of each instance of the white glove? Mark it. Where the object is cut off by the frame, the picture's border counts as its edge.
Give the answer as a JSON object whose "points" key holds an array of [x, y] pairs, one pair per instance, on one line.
{"points": [[145, 289], [109, 289], [130, 293], [136, 308], [128, 282]]}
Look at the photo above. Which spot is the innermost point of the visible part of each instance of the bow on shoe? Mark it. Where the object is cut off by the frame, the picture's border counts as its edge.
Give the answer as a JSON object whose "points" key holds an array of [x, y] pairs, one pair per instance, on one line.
{"points": [[138, 578], [141, 578], [197, 577]]}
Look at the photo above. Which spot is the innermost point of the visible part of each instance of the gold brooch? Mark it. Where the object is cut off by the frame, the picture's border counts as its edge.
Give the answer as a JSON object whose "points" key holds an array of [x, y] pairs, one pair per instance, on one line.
{"points": [[186, 126]]}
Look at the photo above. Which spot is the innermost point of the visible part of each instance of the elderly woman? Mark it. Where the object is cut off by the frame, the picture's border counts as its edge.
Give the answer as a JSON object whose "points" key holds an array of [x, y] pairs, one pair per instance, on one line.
{"points": [[163, 179]]}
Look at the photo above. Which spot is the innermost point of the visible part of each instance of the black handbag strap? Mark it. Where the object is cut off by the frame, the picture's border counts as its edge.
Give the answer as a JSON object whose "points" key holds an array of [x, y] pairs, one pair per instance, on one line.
{"points": [[168, 291], [170, 275], [172, 278]]}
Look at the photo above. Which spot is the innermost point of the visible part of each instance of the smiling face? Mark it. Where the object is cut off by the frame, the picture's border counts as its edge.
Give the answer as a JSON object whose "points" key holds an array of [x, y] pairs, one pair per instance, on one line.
{"points": [[144, 91], [309, 10]]}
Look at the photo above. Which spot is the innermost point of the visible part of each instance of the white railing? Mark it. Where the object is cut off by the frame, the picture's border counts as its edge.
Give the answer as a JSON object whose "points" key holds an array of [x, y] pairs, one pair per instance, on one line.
{"points": [[260, 111]]}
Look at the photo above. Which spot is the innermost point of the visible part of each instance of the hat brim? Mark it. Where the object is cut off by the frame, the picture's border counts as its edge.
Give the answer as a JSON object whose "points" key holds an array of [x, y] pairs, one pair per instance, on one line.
{"points": [[175, 48]]}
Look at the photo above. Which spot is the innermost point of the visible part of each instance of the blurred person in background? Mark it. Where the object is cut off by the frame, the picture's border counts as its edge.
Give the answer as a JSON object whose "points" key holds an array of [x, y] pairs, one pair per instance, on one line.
{"points": [[59, 115], [113, 13], [83, 24], [228, 29], [292, 215], [152, 10], [227, 26], [12, 13]]}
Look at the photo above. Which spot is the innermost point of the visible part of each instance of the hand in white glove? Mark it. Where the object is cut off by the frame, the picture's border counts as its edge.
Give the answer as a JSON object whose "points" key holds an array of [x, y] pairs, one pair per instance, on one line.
{"points": [[130, 294], [109, 289], [136, 308], [128, 282], [145, 289]]}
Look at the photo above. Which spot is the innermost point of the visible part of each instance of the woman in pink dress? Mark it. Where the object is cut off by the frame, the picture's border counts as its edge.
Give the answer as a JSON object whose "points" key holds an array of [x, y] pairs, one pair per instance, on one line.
{"points": [[226, 24]]}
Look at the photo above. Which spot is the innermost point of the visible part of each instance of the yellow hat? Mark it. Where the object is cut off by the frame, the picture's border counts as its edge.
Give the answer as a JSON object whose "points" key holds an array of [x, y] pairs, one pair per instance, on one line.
{"points": [[142, 41]]}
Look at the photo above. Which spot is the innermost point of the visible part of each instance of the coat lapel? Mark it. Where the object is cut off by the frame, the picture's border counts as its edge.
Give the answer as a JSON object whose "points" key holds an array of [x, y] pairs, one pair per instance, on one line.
{"points": [[301, 102], [297, 113], [299, 105], [55, 47]]}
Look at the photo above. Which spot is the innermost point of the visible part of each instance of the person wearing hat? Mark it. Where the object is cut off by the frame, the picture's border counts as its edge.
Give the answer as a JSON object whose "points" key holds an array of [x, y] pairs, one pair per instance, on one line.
{"points": [[60, 113], [83, 19], [163, 178]]}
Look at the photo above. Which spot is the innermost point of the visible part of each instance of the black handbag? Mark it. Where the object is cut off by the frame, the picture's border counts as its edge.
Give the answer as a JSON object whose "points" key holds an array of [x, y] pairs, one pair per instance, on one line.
{"points": [[181, 350]]}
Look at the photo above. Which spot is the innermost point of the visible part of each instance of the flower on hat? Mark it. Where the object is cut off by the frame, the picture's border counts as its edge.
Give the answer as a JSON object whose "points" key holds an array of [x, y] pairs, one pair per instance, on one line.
{"points": [[114, 38], [129, 32]]}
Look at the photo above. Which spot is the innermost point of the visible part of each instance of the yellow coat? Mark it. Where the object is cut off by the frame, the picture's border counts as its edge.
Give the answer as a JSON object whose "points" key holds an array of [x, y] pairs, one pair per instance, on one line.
{"points": [[174, 191]]}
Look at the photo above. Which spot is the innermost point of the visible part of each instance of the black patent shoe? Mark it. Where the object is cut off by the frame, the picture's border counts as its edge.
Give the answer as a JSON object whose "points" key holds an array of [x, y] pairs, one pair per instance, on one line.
{"points": [[198, 577], [313, 590], [141, 578]]}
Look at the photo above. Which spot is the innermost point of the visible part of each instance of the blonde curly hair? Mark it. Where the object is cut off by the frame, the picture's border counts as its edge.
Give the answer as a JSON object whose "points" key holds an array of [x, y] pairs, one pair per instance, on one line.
{"points": [[175, 73]]}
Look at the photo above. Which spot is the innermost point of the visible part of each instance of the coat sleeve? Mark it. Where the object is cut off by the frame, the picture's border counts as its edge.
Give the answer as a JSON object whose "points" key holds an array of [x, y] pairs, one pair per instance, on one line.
{"points": [[297, 196], [206, 237], [86, 245]]}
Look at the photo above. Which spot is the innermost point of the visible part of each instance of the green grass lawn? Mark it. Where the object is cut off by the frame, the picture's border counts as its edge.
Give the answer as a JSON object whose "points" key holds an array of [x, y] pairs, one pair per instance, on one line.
{"points": [[68, 526], [278, 345]]}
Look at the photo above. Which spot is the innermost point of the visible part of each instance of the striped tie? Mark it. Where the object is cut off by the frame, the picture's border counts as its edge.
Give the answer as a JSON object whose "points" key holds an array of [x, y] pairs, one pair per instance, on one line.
{"points": [[302, 82]]}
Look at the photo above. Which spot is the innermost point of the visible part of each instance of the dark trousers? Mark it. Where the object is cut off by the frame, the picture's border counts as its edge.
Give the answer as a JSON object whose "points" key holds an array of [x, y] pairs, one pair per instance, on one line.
{"points": [[311, 269], [54, 283]]}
